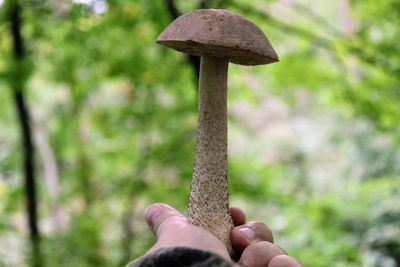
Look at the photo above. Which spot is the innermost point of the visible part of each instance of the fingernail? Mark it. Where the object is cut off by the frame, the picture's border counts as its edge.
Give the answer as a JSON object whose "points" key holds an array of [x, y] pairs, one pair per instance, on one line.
{"points": [[152, 211], [249, 233]]}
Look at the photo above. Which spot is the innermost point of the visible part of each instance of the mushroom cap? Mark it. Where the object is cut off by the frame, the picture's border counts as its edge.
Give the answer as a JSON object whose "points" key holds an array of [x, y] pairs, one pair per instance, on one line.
{"points": [[219, 33]]}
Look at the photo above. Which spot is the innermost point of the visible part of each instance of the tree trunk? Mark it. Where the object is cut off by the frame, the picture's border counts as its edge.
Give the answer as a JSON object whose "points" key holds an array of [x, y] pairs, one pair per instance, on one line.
{"points": [[194, 61], [26, 132]]}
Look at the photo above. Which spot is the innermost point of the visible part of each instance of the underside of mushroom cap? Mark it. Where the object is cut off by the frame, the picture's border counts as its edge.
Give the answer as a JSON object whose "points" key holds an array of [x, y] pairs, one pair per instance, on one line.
{"points": [[219, 33]]}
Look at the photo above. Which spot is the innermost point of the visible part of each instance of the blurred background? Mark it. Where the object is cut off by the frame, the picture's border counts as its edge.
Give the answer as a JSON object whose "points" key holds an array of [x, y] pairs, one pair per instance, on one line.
{"points": [[97, 121]]}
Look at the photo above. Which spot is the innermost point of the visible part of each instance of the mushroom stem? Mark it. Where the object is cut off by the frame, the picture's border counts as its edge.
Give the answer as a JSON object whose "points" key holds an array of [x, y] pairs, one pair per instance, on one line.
{"points": [[208, 200]]}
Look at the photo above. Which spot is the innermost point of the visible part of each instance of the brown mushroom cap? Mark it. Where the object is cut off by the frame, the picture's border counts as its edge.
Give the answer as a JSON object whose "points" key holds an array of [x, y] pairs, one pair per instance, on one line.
{"points": [[219, 33]]}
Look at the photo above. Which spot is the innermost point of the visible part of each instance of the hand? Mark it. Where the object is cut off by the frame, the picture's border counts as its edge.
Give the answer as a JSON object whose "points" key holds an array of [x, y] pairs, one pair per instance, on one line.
{"points": [[172, 229], [253, 240]]}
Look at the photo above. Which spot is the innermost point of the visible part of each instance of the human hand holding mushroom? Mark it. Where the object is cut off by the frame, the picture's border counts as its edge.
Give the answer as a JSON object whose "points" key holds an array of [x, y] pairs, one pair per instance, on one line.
{"points": [[219, 37], [180, 243]]}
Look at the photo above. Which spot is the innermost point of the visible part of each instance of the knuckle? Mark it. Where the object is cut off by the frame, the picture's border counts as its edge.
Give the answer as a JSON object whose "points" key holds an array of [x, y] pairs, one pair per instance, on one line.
{"points": [[260, 254], [270, 247], [285, 261], [263, 232]]}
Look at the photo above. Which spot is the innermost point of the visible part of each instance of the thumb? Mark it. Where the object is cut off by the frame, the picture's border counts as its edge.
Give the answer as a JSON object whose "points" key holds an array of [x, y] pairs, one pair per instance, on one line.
{"points": [[160, 216]]}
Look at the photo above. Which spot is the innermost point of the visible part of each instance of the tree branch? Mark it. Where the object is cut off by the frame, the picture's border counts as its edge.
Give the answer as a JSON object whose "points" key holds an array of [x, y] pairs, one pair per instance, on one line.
{"points": [[317, 19], [319, 40]]}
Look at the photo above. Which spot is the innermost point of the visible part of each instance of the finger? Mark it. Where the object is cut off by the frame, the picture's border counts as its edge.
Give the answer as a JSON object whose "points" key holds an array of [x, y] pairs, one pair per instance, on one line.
{"points": [[260, 231], [238, 216], [158, 215], [259, 254], [284, 261], [249, 233]]}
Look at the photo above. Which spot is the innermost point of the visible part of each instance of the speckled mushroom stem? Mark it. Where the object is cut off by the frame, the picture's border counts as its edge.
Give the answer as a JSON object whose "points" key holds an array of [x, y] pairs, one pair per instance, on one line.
{"points": [[208, 200]]}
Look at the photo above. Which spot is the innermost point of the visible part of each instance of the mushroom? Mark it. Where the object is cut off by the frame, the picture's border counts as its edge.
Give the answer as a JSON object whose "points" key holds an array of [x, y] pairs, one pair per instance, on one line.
{"points": [[218, 36]]}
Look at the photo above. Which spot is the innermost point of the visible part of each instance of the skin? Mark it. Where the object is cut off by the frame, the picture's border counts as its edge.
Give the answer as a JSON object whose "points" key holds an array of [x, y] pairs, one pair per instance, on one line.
{"points": [[252, 241]]}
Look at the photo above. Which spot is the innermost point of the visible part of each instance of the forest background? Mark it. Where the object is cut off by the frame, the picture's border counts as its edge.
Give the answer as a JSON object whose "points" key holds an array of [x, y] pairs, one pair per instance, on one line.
{"points": [[97, 121]]}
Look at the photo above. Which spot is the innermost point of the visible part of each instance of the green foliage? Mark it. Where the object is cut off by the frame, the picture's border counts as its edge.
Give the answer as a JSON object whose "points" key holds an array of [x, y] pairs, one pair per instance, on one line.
{"points": [[314, 139]]}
